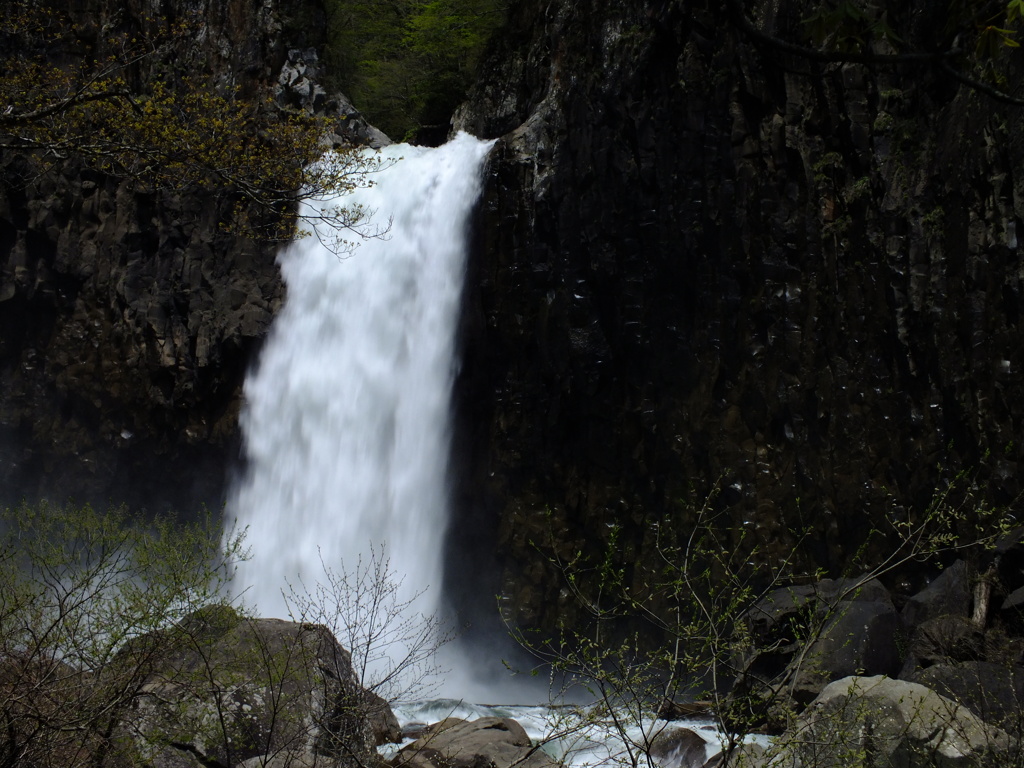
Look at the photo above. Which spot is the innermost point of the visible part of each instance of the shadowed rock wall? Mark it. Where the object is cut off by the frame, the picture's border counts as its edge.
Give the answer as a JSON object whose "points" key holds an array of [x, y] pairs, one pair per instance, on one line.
{"points": [[702, 263], [128, 317]]}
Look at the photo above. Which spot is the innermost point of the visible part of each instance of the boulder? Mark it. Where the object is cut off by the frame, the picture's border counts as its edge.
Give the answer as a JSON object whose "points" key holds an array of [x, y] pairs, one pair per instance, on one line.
{"points": [[489, 742], [946, 639], [288, 760], [227, 689], [859, 632], [384, 727], [747, 755], [1014, 600], [856, 589], [1008, 559], [878, 721], [679, 748], [862, 637], [994, 692], [773, 618], [677, 710], [775, 625], [1011, 611], [781, 612], [949, 594]]}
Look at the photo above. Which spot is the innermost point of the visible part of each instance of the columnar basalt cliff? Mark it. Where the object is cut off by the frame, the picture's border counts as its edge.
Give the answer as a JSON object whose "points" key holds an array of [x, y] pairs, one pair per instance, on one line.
{"points": [[129, 316], [701, 263], [706, 263]]}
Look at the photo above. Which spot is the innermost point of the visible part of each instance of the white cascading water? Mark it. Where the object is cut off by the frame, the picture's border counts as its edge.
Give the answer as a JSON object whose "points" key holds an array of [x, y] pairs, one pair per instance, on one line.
{"points": [[347, 415], [347, 423]]}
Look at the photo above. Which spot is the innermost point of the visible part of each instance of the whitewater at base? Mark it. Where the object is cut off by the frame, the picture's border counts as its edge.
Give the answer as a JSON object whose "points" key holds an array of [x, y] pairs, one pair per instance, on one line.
{"points": [[346, 423], [575, 737]]}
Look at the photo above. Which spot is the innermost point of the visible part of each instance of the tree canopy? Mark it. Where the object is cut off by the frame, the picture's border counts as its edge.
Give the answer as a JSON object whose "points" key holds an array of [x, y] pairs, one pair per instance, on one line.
{"points": [[122, 99], [408, 63]]}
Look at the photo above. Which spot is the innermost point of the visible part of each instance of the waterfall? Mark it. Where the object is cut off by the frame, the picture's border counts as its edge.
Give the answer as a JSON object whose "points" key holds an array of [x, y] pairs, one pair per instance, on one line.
{"points": [[346, 423]]}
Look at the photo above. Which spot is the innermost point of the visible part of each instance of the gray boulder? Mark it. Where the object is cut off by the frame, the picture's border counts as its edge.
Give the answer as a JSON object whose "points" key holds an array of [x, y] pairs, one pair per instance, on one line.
{"points": [[807, 636], [679, 748], [878, 722], [994, 692], [852, 589], [747, 755], [949, 594], [228, 690], [300, 759], [862, 637], [489, 742], [946, 639], [781, 614], [1011, 611]]}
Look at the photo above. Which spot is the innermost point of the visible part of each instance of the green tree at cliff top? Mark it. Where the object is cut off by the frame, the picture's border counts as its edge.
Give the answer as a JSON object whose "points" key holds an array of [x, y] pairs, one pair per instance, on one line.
{"points": [[407, 63]]}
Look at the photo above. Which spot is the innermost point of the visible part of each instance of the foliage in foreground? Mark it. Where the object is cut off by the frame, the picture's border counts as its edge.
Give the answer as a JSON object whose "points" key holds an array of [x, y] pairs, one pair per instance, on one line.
{"points": [[393, 646], [80, 595], [118, 648], [680, 627]]}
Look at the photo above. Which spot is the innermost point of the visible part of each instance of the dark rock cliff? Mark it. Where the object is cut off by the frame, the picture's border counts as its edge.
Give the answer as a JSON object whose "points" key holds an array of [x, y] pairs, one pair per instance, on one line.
{"points": [[128, 317], [702, 263], [699, 264]]}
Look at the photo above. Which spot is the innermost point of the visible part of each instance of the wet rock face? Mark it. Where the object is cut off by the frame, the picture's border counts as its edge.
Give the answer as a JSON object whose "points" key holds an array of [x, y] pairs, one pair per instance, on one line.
{"points": [[128, 318], [128, 321], [701, 265], [235, 689]]}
